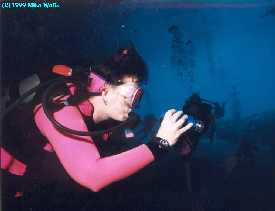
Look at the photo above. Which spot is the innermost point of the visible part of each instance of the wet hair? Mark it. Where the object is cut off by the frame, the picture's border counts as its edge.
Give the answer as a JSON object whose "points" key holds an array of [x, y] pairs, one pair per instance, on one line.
{"points": [[125, 62]]}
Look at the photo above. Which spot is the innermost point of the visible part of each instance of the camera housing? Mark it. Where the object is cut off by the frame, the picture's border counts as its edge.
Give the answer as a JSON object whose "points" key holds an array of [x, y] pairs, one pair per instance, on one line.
{"points": [[200, 114], [198, 125]]}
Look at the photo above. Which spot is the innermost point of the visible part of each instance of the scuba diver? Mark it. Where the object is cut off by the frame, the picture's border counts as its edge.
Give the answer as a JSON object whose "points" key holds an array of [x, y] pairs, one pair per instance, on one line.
{"points": [[64, 144], [213, 111], [201, 111]]}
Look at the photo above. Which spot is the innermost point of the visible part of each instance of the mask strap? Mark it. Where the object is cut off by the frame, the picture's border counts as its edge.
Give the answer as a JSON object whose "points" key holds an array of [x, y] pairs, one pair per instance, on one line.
{"points": [[137, 96], [95, 83]]}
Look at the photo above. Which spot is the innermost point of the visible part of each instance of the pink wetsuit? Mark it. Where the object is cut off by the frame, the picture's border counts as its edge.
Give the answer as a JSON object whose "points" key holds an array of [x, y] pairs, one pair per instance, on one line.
{"points": [[80, 156], [11, 164]]}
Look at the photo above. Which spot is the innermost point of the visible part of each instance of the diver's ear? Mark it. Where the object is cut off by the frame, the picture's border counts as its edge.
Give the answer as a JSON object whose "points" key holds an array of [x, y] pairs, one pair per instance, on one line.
{"points": [[105, 89], [104, 93]]}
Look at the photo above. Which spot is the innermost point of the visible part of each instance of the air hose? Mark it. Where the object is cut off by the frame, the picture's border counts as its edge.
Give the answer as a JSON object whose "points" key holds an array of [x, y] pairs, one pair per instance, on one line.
{"points": [[46, 100], [47, 104]]}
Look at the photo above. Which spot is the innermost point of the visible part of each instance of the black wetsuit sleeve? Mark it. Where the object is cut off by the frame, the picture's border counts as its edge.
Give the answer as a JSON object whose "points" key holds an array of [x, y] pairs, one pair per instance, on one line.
{"points": [[156, 149]]}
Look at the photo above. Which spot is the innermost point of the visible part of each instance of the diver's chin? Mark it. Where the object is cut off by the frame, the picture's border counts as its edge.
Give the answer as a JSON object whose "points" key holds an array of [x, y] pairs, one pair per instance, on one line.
{"points": [[121, 118], [125, 117]]}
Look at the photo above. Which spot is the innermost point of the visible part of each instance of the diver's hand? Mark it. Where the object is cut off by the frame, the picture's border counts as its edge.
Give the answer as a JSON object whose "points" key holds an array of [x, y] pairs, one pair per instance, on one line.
{"points": [[172, 126]]}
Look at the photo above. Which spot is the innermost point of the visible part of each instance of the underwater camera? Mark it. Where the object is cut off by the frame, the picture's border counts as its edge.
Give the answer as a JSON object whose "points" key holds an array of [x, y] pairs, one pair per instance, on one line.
{"points": [[199, 113], [198, 125]]}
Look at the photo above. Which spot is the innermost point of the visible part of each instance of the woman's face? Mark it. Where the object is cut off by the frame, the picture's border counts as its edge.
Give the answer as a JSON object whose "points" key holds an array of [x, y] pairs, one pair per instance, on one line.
{"points": [[118, 98]]}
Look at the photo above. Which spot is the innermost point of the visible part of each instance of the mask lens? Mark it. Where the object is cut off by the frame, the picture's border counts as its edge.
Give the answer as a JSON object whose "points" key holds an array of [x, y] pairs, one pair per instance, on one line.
{"points": [[131, 92]]}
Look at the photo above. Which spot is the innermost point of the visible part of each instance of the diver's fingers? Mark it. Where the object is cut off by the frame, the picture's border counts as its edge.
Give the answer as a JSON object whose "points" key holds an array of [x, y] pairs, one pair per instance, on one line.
{"points": [[175, 116], [185, 128], [169, 113], [181, 121]]}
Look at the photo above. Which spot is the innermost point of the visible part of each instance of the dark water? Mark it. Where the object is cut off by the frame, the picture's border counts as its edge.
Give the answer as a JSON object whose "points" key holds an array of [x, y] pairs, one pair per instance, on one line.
{"points": [[225, 54]]}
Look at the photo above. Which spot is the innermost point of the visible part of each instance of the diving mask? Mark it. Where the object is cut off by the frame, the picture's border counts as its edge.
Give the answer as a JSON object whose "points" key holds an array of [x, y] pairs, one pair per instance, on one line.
{"points": [[131, 91]]}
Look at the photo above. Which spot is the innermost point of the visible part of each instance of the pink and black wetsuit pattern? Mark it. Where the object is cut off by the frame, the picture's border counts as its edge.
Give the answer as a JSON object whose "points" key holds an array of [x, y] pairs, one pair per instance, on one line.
{"points": [[80, 156], [63, 169]]}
